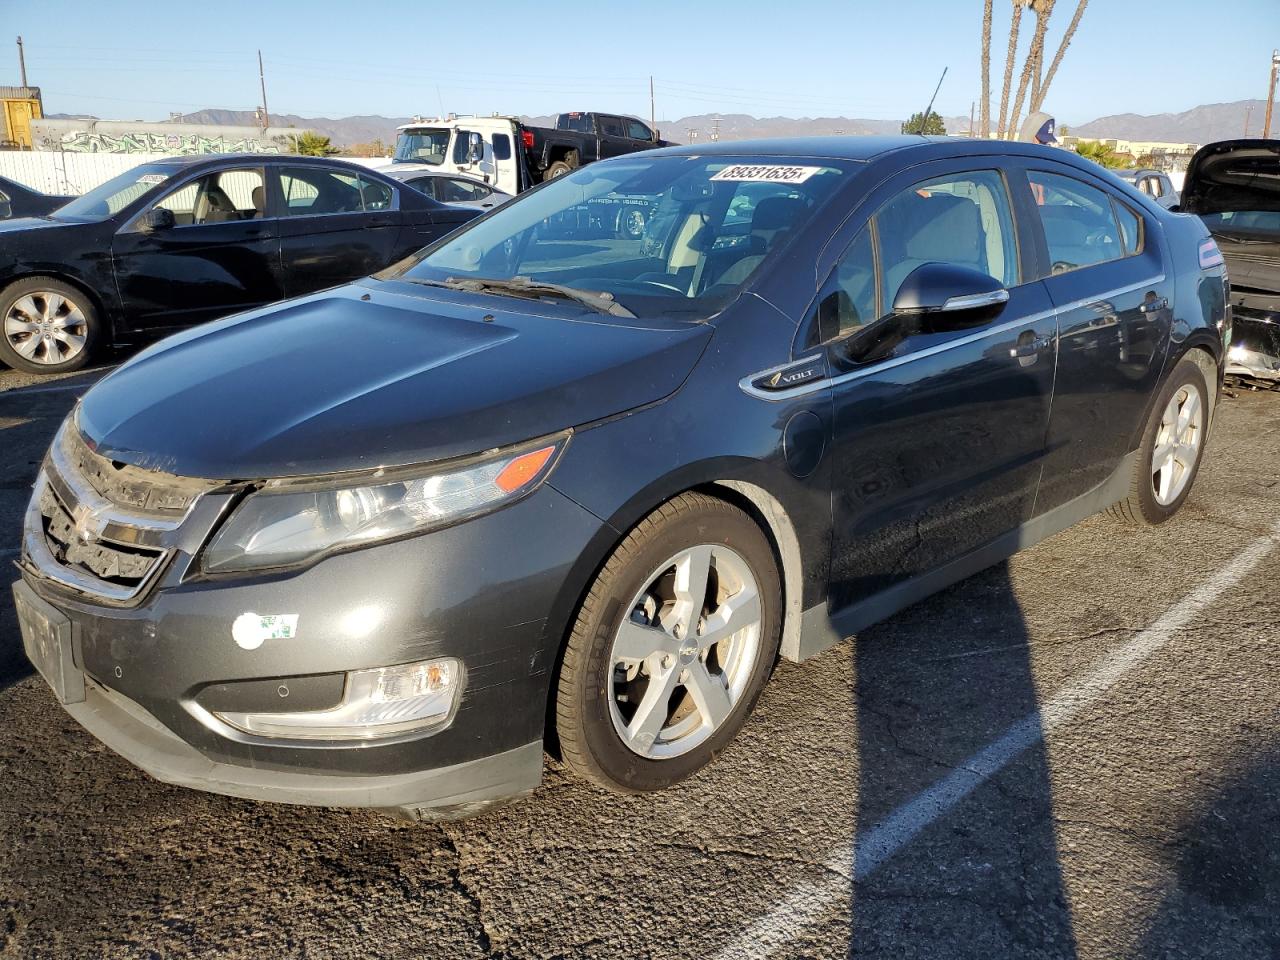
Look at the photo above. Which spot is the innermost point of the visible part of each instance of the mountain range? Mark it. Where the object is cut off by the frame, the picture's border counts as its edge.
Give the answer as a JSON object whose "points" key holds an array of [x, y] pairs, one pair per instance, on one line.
{"points": [[1201, 124]]}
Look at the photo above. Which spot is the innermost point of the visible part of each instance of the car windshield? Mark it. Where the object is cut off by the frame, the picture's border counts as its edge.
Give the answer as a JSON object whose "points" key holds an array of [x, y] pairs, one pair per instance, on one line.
{"points": [[422, 146], [659, 235], [113, 196]]}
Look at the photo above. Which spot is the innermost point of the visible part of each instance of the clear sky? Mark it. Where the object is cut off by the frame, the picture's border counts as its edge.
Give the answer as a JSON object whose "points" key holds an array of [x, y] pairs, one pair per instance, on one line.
{"points": [[128, 59]]}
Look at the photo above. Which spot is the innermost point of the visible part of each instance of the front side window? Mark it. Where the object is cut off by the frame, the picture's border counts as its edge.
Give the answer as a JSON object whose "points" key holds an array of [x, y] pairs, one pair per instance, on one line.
{"points": [[848, 299], [315, 192], [1079, 222], [501, 146], [638, 131], [222, 197], [422, 145], [960, 219], [685, 256]]}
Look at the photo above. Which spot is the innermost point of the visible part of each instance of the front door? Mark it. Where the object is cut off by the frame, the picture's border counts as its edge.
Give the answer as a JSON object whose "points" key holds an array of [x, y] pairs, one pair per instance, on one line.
{"points": [[222, 254], [335, 226], [939, 435], [1104, 272]]}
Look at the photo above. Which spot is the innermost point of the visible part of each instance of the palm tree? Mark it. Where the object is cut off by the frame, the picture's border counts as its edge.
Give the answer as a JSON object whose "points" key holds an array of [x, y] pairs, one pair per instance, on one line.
{"points": [[1037, 100], [1018, 5], [984, 117], [1043, 10]]}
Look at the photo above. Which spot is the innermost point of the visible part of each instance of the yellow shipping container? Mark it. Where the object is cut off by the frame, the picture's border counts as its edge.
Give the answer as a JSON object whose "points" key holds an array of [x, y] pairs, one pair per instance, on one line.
{"points": [[18, 107]]}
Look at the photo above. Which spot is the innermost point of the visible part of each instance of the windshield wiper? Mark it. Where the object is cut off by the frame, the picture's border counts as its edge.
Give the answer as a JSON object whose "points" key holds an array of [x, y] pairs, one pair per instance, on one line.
{"points": [[601, 302]]}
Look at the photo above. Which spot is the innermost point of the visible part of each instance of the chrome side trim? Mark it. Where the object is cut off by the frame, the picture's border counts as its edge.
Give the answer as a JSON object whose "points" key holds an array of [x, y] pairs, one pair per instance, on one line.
{"points": [[747, 383], [975, 300]]}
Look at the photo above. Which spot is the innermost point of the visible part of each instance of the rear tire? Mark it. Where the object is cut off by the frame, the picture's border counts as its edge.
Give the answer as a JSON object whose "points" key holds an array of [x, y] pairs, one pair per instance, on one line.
{"points": [[48, 326], [655, 684], [1171, 451], [557, 169]]}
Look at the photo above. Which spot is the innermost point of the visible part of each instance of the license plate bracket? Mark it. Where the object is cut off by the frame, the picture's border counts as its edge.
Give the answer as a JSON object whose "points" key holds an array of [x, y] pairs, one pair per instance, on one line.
{"points": [[46, 637]]}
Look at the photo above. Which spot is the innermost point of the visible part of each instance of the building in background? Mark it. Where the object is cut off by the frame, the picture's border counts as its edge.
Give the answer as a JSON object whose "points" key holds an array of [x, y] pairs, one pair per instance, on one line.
{"points": [[87, 135], [1156, 154], [19, 106]]}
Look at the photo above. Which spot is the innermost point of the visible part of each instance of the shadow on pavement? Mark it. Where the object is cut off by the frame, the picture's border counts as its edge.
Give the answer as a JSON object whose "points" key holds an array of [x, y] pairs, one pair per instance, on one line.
{"points": [[934, 686], [1226, 863]]}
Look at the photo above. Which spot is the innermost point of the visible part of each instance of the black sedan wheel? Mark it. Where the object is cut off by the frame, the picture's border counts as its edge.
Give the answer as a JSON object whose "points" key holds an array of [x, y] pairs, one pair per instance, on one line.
{"points": [[671, 647], [49, 326], [1172, 447]]}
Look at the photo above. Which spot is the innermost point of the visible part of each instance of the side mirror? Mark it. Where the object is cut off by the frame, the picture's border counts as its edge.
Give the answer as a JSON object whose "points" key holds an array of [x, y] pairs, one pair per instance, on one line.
{"points": [[475, 148], [157, 218], [950, 296]]}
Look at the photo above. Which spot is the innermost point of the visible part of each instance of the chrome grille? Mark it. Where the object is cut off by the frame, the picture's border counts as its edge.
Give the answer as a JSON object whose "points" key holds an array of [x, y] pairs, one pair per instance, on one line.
{"points": [[103, 528]]}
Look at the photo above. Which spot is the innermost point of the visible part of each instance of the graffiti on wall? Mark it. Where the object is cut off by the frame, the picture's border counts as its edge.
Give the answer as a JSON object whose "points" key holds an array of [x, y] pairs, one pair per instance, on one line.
{"points": [[83, 141]]}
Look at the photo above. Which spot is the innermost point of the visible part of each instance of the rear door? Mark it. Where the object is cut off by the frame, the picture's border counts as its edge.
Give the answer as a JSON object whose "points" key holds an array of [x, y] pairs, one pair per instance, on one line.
{"points": [[613, 136], [336, 225], [222, 255], [1102, 260]]}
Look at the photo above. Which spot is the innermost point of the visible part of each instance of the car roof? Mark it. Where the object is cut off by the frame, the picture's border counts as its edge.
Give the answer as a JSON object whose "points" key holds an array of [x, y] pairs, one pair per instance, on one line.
{"points": [[199, 159], [863, 147]]}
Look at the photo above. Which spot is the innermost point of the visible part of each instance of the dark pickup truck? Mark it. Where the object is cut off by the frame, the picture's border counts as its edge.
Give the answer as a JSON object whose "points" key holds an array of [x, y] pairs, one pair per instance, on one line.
{"points": [[512, 156]]}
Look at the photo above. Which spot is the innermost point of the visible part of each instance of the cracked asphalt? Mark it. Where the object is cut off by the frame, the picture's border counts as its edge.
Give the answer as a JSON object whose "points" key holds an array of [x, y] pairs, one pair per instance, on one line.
{"points": [[1145, 825]]}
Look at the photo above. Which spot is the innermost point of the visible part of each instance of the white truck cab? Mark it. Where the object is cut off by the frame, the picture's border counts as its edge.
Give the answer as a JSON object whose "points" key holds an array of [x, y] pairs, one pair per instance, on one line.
{"points": [[484, 148]]}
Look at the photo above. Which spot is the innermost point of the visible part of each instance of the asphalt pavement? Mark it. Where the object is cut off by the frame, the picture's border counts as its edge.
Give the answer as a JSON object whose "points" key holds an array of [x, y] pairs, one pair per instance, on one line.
{"points": [[1074, 754]]}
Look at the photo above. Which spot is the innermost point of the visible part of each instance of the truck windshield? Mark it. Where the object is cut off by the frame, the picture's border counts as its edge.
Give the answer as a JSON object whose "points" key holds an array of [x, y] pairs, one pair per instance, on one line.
{"points": [[422, 145], [660, 235], [108, 199]]}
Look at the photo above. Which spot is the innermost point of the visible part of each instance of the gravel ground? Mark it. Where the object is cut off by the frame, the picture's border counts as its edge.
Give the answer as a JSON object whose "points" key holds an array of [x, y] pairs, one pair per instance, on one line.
{"points": [[1141, 822]]}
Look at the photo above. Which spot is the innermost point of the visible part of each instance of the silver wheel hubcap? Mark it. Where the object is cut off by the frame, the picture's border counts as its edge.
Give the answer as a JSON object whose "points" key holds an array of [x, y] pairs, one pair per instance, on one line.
{"points": [[684, 656], [1177, 445], [45, 327]]}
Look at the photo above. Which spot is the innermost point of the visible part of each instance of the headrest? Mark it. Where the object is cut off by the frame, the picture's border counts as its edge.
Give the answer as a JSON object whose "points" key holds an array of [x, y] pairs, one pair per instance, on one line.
{"points": [[776, 213]]}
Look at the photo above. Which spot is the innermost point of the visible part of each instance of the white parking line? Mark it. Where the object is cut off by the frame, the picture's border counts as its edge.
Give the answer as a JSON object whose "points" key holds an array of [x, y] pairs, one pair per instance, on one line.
{"points": [[56, 388], [811, 899]]}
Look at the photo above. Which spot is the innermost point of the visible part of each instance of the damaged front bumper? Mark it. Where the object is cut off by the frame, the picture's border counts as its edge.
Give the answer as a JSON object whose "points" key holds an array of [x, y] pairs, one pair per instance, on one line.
{"points": [[1255, 344]]}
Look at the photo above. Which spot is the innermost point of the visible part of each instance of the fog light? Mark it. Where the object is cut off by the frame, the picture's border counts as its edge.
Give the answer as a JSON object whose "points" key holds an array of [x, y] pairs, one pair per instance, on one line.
{"points": [[383, 702]]}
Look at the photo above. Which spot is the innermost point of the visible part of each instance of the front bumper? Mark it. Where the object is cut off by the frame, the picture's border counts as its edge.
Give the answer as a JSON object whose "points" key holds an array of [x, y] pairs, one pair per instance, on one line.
{"points": [[487, 592]]}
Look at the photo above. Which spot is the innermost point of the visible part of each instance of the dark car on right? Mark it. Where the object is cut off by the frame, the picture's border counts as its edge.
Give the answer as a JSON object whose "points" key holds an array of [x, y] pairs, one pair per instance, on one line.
{"points": [[1234, 186]]}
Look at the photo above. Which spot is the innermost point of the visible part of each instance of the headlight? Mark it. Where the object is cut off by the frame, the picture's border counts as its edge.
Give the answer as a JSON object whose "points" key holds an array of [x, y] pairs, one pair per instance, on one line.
{"points": [[292, 522], [384, 702]]}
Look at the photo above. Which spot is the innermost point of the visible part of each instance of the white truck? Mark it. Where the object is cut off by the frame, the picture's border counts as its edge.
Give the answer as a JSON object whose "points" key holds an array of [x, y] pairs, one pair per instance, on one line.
{"points": [[512, 156]]}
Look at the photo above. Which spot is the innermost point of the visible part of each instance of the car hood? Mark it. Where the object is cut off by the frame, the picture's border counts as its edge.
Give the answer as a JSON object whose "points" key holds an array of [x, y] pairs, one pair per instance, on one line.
{"points": [[20, 224], [1233, 175], [376, 374]]}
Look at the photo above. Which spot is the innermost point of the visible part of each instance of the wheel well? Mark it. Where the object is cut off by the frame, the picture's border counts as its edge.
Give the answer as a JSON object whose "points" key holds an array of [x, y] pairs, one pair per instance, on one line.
{"points": [[772, 519], [568, 154], [1203, 358]]}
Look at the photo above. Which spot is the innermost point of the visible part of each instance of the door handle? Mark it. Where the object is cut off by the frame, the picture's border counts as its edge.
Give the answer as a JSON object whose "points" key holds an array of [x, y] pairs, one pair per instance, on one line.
{"points": [[1029, 345], [1152, 306]]}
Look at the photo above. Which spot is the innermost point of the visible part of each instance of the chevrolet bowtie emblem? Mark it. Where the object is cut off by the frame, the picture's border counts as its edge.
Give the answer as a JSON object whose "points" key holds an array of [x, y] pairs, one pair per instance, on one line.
{"points": [[87, 524]]}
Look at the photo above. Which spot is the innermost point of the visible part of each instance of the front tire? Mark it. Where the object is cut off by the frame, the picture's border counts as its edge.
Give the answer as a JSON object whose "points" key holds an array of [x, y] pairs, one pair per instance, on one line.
{"points": [[1171, 451], [671, 647], [49, 326]]}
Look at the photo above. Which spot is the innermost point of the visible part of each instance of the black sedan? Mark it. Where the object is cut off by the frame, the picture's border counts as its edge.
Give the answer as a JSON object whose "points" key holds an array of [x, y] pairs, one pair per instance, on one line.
{"points": [[178, 241], [379, 545], [17, 200]]}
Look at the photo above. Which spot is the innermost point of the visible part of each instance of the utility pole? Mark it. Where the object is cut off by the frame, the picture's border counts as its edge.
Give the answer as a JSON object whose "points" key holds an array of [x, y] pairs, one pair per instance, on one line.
{"points": [[1248, 111], [22, 63], [653, 116], [262, 80], [1271, 94], [715, 127], [972, 104]]}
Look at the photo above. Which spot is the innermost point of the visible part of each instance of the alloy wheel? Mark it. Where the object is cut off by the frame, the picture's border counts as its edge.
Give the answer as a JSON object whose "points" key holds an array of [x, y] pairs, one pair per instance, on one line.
{"points": [[1177, 444], [46, 327], [683, 658]]}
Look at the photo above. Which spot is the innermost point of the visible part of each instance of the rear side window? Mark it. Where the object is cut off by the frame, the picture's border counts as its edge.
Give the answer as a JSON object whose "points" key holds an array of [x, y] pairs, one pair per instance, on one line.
{"points": [[313, 191], [375, 194], [457, 190], [501, 146], [1080, 226]]}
